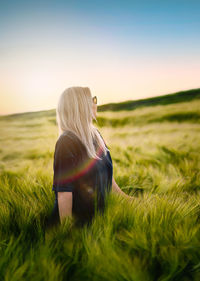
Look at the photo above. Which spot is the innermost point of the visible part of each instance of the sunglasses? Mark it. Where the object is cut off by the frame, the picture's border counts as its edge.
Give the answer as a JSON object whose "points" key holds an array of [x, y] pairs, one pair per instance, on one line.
{"points": [[94, 99]]}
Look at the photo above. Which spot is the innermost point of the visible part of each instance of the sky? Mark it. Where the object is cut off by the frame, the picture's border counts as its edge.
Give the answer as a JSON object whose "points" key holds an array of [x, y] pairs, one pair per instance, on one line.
{"points": [[121, 50]]}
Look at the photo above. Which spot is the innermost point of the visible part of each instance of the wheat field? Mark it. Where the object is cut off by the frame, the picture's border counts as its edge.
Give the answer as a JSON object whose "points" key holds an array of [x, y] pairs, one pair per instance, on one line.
{"points": [[155, 153]]}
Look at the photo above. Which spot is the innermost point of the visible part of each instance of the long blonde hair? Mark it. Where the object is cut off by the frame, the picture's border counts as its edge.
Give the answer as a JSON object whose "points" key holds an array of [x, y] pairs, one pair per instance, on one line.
{"points": [[74, 112]]}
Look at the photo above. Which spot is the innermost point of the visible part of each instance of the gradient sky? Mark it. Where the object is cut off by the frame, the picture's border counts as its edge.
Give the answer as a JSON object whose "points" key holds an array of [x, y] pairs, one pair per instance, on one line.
{"points": [[121, 50]]}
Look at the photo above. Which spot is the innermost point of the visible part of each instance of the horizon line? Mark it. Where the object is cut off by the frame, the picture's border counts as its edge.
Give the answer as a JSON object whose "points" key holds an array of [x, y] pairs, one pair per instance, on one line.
{"points": [[123, 101]]}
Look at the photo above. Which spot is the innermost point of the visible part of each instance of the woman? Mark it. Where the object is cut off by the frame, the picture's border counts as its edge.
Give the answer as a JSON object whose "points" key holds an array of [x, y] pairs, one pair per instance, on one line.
{"points": [[83, 171]]}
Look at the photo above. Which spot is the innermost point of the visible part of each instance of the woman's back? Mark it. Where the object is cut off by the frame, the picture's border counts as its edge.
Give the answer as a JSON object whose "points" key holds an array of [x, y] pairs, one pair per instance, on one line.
{"points": [[88, 179]]}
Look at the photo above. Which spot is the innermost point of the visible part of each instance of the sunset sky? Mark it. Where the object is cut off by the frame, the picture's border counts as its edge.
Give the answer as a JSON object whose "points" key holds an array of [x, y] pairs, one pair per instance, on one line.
{"points": [[121, 50]]}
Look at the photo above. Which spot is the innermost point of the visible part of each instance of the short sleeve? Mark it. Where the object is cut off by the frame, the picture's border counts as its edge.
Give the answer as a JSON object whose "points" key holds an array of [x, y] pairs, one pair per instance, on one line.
{"points": [[64, 165]]}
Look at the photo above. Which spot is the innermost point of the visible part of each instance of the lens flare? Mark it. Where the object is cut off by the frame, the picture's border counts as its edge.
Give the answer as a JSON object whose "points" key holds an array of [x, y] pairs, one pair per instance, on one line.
{"points": [[74, 173]]}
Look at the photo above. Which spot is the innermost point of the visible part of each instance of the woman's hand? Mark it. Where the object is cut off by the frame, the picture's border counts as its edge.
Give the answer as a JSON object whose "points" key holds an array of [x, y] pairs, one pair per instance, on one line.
{"points": [[130, 198], [117, 189]]}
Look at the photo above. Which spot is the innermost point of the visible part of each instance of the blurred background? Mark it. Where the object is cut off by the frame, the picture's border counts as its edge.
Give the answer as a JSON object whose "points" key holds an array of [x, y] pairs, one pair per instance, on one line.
{"points": [[142, 61], [121, 50]]}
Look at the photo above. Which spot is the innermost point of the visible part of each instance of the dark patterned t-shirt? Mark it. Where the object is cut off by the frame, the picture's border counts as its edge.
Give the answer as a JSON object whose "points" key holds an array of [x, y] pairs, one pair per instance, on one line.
{"points": [[88, 179]]}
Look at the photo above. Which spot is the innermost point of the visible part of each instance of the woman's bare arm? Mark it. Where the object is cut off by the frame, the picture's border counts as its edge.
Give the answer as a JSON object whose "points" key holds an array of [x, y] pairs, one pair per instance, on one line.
{"points": [[64, 205], [117, 189]]}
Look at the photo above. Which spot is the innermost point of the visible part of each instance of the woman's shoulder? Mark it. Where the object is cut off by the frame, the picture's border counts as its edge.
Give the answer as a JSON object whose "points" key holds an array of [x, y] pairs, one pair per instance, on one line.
{"points": [[64, 138], [69, 142], [67, 136]]}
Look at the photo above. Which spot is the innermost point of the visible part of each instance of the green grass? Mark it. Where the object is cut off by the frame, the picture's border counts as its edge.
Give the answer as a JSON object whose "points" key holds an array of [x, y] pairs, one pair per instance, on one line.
{"points": [[155, 152], [182, 96]]}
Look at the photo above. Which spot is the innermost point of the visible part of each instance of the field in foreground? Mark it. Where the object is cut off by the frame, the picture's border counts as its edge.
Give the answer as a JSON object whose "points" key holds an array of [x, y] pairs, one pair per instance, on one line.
{"points": [[155, 152]]}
